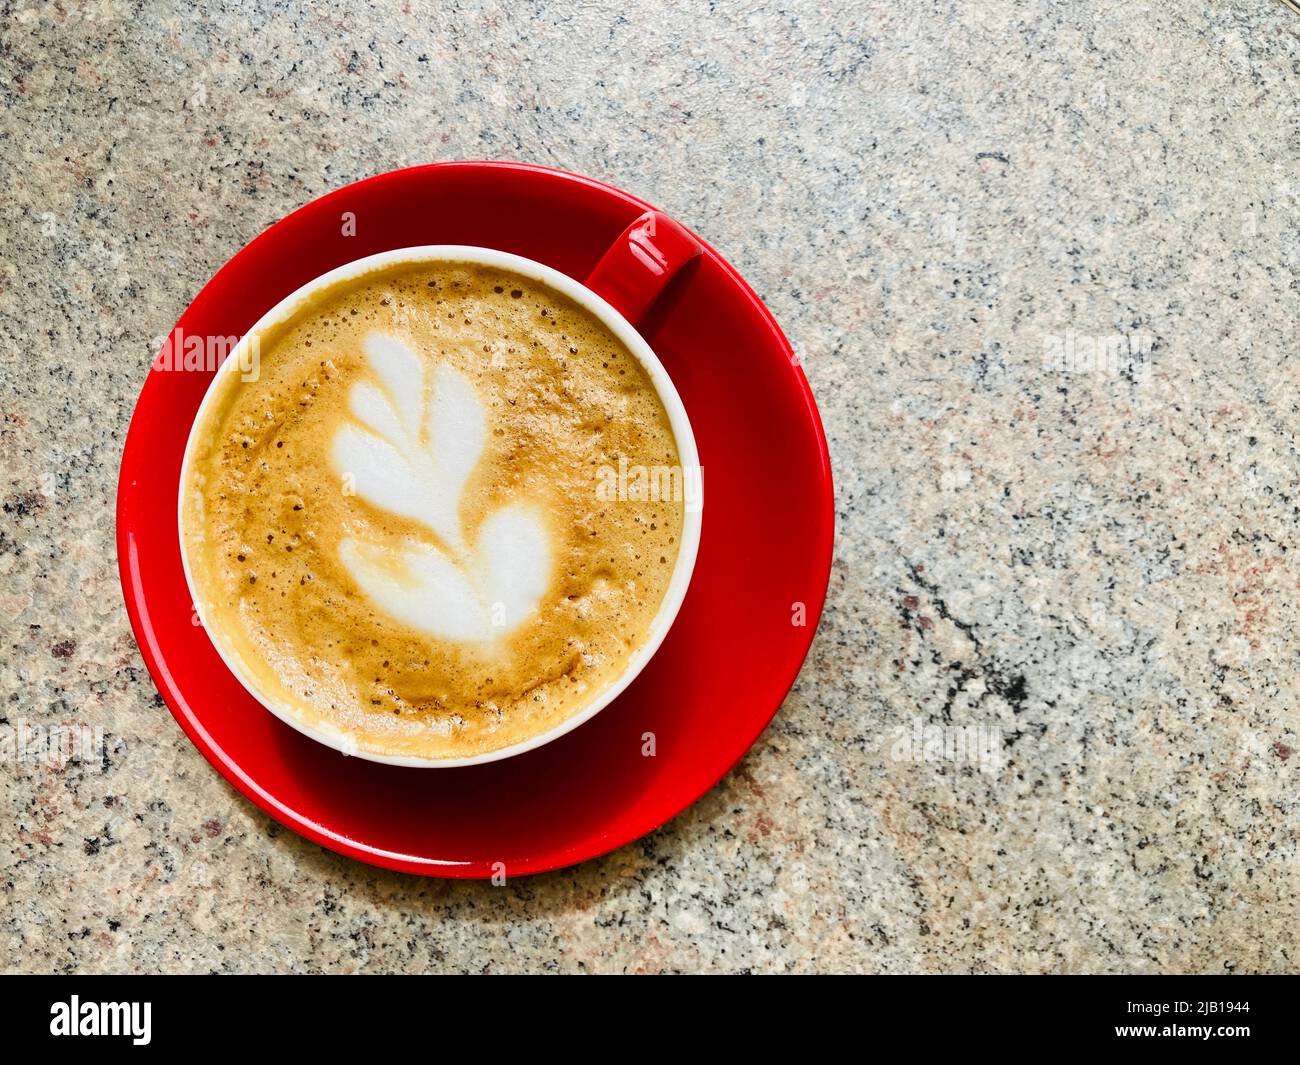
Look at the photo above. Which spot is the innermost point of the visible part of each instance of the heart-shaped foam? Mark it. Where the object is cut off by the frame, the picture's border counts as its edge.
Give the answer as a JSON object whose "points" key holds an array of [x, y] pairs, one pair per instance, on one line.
{"points": [[411, 452]]}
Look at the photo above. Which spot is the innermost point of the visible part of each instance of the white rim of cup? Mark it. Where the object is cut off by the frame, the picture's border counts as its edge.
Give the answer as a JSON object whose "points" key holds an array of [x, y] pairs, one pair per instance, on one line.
{"points": [[687, 456]]}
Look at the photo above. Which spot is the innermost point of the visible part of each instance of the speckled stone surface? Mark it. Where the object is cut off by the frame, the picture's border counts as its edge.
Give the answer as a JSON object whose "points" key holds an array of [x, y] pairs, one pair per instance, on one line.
{"points": [[1100, 570]]}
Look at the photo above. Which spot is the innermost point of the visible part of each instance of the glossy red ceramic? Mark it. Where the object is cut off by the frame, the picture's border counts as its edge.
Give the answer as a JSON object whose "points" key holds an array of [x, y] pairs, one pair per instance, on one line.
{"points": [[632, 275], [738, 641]]}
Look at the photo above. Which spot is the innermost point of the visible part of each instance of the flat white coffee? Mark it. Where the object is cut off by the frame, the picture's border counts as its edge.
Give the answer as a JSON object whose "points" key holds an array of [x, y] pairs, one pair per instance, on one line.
{"points": [[402, 529]]}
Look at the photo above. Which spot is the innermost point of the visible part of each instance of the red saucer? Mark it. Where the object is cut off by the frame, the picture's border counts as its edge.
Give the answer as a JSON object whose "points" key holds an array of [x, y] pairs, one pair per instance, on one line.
{"points": [[731, 656]]}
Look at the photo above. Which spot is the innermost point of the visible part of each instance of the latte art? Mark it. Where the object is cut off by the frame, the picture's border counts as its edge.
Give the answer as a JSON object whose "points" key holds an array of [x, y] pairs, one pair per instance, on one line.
{"points": [[413, 455], [396, 534]]}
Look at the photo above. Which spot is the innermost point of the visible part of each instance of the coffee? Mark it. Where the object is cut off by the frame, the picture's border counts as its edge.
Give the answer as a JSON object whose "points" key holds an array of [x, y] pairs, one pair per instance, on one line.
{"points": [[399, 531]]}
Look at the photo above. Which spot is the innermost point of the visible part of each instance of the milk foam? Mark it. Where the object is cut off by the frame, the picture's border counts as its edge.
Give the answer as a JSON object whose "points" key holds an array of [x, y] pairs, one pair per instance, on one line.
{"points": [[411, 451]]}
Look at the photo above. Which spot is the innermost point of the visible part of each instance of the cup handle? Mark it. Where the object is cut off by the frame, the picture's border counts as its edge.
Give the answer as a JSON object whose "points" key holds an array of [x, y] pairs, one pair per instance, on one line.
{"points": [[641, 262]]}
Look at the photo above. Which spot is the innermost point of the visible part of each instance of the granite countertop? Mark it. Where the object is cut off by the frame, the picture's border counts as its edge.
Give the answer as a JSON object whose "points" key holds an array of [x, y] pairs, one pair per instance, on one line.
{"points": [[1040, 261]]}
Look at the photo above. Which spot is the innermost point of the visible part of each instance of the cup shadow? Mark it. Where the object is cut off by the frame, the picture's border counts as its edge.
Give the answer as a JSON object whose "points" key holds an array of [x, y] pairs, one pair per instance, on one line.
{"points": [[536, 802]]}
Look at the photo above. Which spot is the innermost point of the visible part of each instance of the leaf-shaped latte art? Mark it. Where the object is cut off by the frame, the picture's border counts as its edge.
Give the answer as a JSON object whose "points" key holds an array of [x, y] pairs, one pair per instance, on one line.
{"points": [[411, 452]]}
